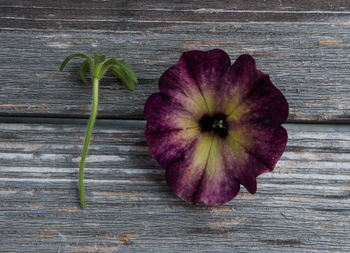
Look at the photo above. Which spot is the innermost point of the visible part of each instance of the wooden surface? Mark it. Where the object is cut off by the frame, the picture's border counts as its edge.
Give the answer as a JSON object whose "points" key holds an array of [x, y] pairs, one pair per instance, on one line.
{"points": [[305, 51], [303, 206]]}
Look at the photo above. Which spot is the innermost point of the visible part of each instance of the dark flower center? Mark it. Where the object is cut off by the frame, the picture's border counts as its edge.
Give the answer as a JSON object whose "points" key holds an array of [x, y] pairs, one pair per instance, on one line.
{"points": [[216, 124]]}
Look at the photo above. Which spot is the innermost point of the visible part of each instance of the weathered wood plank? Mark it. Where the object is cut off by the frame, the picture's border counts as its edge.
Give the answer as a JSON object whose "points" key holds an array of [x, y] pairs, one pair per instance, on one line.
{"points": [[24, 17], [308, 62], [298, 5], [302, 206]]}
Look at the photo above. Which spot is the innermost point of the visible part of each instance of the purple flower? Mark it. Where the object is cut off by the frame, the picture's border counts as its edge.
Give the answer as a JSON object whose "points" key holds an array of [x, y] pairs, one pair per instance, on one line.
{"points": [[214, 126]]}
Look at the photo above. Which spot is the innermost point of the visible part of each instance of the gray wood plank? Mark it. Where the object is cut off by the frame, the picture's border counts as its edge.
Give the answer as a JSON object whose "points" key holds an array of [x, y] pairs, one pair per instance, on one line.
{"points": [[303, 46], [308, 62], [82, 18], [299, 5], [303, 206]]}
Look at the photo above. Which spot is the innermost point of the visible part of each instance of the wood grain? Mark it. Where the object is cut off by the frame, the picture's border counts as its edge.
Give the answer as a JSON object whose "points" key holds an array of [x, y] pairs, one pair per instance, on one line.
{"points": [[251, 5], [302, 206], [304, 48]]}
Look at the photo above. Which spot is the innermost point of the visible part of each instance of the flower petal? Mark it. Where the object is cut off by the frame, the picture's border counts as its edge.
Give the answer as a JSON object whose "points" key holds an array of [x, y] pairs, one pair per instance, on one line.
{"points": [[164, 114], [170, 128], [212, 169], [219, 183], [200, 175], [239, 80], [242, 165], [194, 79], [178, 84], [257, 121], [243, 74], [264, 104], [234, 166], [207, 67], [170, 146], [265, 144]]}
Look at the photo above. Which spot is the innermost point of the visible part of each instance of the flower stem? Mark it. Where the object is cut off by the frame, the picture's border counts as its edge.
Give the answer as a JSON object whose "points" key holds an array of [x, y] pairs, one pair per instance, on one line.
{"points": [[87, 140]]}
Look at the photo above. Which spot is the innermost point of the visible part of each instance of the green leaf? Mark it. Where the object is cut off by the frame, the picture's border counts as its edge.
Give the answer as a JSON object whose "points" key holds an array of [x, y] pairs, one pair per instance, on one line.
{"points": [[120, 69], [82, 71], [99, 58], [128, 70], [128, 82], [106, 65], [75, 55]]}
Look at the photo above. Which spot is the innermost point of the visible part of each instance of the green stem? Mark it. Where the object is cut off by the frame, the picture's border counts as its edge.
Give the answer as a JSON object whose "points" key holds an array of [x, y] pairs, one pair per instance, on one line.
{"points": [[87, 140]]}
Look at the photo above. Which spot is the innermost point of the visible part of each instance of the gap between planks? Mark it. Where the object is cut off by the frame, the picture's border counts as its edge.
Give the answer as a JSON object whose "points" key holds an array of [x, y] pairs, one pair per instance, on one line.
{"points": [[139, 123]]}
